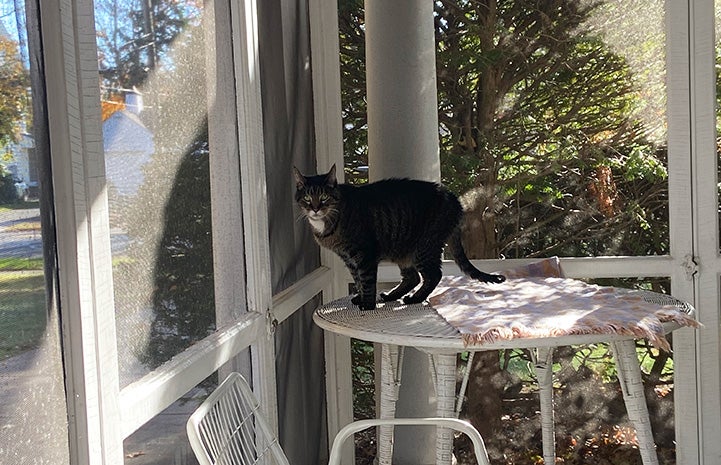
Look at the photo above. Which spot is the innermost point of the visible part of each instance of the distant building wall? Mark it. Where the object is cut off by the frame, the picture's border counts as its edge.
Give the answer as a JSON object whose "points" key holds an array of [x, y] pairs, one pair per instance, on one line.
{"points": [[128, 146]]}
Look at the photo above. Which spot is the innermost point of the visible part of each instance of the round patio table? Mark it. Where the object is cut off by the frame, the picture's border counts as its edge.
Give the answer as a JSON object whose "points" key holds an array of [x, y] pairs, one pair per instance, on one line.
{"points": [[395, 325]]}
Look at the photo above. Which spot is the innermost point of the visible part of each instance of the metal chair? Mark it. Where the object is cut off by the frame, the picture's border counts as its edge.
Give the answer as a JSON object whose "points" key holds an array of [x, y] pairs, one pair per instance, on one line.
{"points": [[228, 429]]}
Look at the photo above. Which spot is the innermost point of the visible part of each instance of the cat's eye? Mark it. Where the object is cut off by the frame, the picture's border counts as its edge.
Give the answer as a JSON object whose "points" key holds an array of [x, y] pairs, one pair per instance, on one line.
{"points": [[324, 197], [307, 198]]}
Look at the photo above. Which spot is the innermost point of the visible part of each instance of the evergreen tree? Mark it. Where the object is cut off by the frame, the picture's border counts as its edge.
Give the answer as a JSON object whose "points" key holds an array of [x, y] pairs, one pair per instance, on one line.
{"points": [[541, 132]]}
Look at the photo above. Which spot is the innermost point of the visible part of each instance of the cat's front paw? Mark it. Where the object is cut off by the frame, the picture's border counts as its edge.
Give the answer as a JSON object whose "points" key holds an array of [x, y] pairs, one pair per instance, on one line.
{"points": [[412, 299], [367, 305], [357, 300]]}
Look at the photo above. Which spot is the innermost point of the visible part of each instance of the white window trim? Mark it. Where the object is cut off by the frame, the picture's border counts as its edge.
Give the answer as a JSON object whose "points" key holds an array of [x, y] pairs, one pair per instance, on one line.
{"points": [[239, 175], [145, 398], [83, 233], [706, 228], [244, 15], [96, 425]]}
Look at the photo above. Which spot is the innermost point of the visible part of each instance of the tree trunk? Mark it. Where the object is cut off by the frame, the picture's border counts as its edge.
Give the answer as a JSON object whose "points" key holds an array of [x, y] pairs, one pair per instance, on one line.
{"points": [[479, 224], [487, 381]]}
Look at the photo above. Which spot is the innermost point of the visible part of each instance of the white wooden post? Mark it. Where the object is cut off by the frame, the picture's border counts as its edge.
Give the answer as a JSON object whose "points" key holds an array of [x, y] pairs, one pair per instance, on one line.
{"points": [[704, 163], [254, 194], [681, 215], [83, 232], [403, 142], [401, 90]]}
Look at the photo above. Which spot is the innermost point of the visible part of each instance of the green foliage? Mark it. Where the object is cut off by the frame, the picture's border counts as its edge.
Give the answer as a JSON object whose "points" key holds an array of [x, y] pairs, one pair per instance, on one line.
{"points": [[353, 85], [541, 115], [14, 81], [533, 123], [640, 164], [8, 192], [363, 379]]}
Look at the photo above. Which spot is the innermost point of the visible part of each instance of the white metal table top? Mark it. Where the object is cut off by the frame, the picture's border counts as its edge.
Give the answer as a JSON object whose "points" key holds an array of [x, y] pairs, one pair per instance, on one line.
{"points": [[420, 326]]}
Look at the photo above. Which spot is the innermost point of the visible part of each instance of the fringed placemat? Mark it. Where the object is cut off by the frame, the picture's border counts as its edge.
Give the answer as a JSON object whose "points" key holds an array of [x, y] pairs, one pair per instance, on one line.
{"points": [[537, 307]]}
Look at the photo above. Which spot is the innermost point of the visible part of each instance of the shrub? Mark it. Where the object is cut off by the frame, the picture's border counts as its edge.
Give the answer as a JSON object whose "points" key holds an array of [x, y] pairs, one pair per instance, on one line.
{"points": [[8, 192]]}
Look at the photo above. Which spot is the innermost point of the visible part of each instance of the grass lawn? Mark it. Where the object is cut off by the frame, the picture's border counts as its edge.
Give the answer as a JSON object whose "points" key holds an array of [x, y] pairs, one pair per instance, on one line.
{"points": [[19, 205], [25, 226], [20, 264], [22, 311]]}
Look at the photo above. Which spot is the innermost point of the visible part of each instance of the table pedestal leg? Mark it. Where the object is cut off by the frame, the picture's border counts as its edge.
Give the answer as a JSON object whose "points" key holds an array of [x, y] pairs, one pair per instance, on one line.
{"points": [[544, 373], [391, 366], [444, 369], [629, 375]]}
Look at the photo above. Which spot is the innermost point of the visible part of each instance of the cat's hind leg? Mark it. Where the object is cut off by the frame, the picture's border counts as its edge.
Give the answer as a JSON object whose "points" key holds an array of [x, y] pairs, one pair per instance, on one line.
{"points": [[410, 280], [429, 266]]}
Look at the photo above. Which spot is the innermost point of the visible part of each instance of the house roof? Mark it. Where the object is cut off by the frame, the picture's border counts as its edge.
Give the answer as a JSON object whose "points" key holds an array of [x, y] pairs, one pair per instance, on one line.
{"points": [[123, 131]]}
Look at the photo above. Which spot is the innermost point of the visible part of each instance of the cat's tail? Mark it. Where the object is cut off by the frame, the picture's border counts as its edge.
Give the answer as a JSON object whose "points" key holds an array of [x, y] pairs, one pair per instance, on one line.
{"points": [[461, 259]]}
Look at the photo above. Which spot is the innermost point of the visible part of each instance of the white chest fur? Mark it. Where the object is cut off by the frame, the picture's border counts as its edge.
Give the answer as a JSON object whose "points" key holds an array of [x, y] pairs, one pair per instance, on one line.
{"points": [[318, 225]]}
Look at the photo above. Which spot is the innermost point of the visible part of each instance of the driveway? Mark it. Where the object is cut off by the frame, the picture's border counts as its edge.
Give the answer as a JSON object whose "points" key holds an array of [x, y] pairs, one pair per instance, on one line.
{"points": [[20, 243], [27, 243]]}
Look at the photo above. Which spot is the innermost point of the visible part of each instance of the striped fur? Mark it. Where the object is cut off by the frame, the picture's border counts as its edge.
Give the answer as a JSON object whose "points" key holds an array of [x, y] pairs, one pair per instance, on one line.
{"points": [[403, 221]]}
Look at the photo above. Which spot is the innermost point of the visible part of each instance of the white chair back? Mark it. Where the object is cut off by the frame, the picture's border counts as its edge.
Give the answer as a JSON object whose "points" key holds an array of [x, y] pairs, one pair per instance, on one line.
{"points": [[229, 429]]}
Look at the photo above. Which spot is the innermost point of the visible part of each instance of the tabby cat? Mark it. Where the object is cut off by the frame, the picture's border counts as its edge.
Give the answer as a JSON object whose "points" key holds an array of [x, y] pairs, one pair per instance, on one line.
{"points": [[403, 221]]}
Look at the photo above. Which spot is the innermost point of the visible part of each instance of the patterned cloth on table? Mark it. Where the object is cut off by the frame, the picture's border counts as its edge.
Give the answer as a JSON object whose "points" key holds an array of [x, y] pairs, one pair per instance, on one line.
{"points": [[527, 306]]}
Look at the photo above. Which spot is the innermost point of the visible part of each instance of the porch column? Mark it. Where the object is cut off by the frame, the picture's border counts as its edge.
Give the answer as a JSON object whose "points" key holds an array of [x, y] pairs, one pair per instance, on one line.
{"points": [[403, 142], [401, 90]]}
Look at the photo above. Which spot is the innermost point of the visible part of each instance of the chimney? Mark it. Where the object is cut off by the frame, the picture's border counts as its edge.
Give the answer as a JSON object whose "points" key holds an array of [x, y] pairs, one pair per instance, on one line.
{"points": [[134, 102]]}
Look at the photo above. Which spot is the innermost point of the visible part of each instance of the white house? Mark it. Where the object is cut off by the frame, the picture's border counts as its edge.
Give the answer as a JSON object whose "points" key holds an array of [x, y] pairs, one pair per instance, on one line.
{"points": [[128, 146]]}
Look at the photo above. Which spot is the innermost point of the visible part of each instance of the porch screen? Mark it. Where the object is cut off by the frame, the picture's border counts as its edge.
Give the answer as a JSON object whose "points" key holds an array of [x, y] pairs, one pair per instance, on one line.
{"points": [[33, 414], [156, 88]]}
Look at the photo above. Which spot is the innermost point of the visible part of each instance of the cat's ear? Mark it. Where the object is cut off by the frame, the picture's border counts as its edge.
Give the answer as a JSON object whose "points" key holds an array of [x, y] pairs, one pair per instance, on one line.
{"points": [[330, 178], [299, 178]]}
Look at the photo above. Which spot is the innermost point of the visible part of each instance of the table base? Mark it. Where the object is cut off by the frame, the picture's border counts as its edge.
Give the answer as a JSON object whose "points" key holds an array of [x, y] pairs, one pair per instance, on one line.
{"points": [[443, 371]]}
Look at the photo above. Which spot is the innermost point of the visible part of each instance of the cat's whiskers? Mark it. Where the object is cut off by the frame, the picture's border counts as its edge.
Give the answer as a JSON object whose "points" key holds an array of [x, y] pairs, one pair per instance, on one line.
{"points": [[332, 212], [300, 216]]}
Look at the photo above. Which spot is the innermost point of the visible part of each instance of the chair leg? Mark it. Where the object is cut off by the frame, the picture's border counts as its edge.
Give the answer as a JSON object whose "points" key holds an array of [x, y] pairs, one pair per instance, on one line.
{"points": [[391, 369], [544, 372], [629, 375]]}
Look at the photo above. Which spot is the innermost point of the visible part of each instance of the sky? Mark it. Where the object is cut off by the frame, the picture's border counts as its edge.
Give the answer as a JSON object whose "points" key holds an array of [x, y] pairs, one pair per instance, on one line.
{"points": [[8, 23], [7, 18]]}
